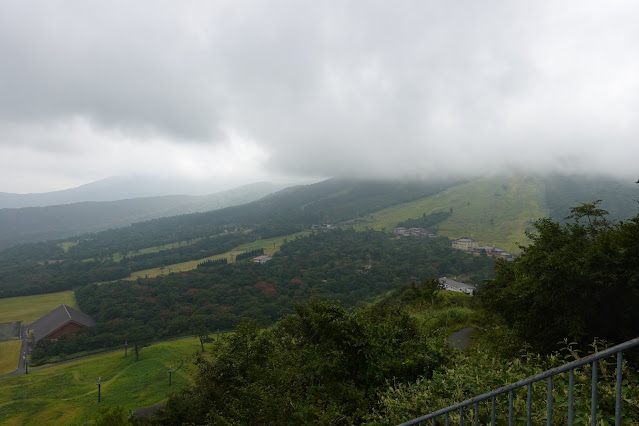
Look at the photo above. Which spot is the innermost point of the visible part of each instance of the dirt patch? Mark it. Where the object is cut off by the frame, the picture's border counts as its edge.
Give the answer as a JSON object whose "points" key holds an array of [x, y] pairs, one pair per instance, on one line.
{"points": [[10, 330]]}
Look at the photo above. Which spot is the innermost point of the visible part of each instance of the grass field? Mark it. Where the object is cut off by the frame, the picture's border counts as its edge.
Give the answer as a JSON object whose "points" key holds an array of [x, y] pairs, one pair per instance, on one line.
{"points": [[9, 353], [495, 211], [270, 246], [30, 308], [118, 256], [67, 393]]}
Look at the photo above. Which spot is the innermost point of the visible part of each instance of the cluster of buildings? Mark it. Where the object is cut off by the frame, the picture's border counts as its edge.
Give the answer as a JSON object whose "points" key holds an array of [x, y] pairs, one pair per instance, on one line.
{"points": [[323, 227], [413, 232], [471, 246], [261, 259]]}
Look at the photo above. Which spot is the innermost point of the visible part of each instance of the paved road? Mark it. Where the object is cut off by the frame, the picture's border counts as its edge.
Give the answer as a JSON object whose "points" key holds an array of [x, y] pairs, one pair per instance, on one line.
{"points": [[461, 338], [24, 349]]}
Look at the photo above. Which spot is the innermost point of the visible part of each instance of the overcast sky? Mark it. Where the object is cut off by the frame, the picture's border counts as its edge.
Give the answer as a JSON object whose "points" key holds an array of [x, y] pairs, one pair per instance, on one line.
{"points": [[252, 90]]}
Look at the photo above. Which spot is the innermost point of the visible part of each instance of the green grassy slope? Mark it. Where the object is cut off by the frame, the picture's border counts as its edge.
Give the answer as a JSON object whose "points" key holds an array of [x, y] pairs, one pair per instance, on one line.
{"points": [[67, 393], [511, 202]]}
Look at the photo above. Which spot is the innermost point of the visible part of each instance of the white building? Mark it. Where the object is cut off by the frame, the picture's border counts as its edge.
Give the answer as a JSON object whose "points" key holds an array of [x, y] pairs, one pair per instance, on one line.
{"points": [[452, 285], [465, 244]]}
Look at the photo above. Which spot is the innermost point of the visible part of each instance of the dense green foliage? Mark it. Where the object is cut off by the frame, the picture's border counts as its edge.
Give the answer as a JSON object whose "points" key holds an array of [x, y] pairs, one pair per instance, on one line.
{"points": [[578, 281], [353, 267], [323, 365], [382, 365], [30, 278], [478, 370], [64, 271], [211, 263]]}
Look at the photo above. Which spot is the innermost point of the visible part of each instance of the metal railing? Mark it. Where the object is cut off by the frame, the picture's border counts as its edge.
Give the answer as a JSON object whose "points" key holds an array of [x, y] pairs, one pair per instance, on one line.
{"points": [[592, 360]]}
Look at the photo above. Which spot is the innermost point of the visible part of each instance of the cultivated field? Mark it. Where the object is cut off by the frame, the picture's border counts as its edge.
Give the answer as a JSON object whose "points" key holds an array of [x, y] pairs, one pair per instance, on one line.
{"points": [[270, 246], [30, 308], [9, 353], [67, 393], [493, 211]]}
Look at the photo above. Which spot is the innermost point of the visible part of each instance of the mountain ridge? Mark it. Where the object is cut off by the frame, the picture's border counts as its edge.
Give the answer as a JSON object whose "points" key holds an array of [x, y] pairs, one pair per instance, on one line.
{"points": [[33, 224], [120, 188]]}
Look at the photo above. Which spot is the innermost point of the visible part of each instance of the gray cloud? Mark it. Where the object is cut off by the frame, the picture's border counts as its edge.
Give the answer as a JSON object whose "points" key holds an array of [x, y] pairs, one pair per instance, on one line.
{"points": [[360, 88]]}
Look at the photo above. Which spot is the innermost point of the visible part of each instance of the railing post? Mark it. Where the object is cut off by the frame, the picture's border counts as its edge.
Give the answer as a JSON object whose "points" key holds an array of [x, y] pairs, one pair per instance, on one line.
{"points": [[492, 411], [549, 402], [593, 403], [511, 413], [529, 405], [548, 375], [571, 386], [618, 389]]}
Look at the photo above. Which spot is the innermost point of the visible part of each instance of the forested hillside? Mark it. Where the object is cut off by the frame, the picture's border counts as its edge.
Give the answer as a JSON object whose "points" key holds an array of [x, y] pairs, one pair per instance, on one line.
{"points": [[496, 211], [619, 198], [352, 267], [59, 265], [32, 224]]}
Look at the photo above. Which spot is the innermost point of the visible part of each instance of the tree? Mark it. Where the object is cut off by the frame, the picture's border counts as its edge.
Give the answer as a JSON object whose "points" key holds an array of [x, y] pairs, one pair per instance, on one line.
{"points": [[323, 365], [576, 281], [203, 334], [595, 216], [139, 335], [114, 415]]}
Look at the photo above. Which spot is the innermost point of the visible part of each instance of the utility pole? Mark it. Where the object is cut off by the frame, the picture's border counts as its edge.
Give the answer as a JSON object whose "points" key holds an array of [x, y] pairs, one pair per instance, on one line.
{"points": [[99, 386]]}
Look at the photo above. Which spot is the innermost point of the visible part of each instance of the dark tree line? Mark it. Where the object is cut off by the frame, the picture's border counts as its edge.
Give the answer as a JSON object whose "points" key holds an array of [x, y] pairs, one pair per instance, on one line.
{"points": [[579, 280], [250, 254], [211, 263]]}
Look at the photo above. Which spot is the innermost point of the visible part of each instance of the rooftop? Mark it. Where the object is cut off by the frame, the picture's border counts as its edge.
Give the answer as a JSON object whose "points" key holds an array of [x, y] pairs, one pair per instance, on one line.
{"points": [[57, 318]]}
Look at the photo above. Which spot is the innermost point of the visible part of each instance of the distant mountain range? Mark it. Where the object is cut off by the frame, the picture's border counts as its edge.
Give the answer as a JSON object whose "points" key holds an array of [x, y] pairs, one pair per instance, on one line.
{"points": [[118, 188], [32, 224], [496, 210]]}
